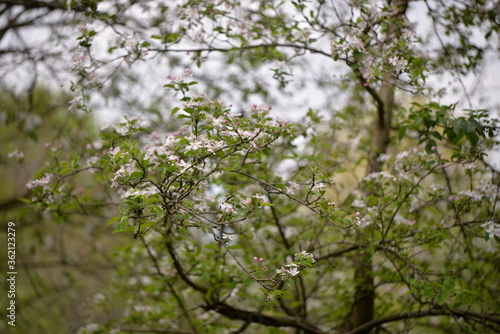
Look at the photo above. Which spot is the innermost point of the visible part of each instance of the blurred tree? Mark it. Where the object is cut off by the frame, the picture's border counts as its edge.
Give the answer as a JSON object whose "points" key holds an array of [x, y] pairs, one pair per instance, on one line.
{"points": [[408, 245], [60, 266]]}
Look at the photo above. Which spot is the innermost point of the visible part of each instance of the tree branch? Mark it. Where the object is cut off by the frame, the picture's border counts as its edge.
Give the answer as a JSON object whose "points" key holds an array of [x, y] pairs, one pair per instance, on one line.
{"points": [[338, 252], [35, 4], [166, 331], [255, 317], [420, 314], [246, 47]]}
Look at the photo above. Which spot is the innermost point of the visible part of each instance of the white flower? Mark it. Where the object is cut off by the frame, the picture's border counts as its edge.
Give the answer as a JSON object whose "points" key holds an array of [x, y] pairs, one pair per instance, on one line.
{"points": [[75, 103], [492, 228], [471, 194], [292, 188], [32, 122], [399, 162], [226, 208], [140, 192], [142, 308], [154, 151], [88, 329], [41, 182], [16, 154], [146, 280], [399, 219], [436, 187], [469, 166], [78, 60], [220, 122], [259, 197], [121, 129], [305, 255], [358, 203], [398, 63], [182, 164], [487, 189], [98, 298], [123, 172], [171, 140], [293, 271], [234, 114], [362, 222], [114, 150], [96, 145], [384, 157], [319, 186], [194, 146], [92, 161], [380, 176]]}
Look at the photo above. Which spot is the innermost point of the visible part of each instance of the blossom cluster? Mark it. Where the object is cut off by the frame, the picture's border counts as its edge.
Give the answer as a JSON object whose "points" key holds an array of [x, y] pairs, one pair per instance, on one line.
{"points": [[18, 155], [292, 270], [304, 260], [132, 124], [492, 229], [374, 54], [178, 167], [42, 189], [42, 182]]}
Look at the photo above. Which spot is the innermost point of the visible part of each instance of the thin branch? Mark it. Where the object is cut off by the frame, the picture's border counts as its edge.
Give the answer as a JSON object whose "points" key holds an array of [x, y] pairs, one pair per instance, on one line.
{"points": [[268, 185], [172, 289], [420, 314], [178, 266], [339, 252], [239, 314], [166, 331], [245, 47], [36, 4]]}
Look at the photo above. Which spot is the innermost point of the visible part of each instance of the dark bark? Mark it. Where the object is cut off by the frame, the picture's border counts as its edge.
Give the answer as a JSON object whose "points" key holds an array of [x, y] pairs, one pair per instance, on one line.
{"points": [[33, 4], [255, 317], [474, 316]]}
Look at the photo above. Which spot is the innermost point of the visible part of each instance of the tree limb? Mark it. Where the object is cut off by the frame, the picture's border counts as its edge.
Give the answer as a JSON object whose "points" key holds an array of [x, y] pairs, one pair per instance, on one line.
{"points": [[255, 317], [34, 4], [420, 314]]}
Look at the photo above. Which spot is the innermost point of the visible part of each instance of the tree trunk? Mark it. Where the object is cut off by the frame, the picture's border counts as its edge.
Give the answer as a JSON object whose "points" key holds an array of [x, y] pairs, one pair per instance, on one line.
{"points": [[363, 307]]}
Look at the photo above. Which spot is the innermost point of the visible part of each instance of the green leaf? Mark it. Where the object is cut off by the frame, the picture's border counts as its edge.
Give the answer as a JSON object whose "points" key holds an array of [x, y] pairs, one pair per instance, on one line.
{"points": [[473, 138], [24, 200], [112, 220], [147, 224], [436, 134], [402, 132], [449, 282], [65, 170], [443, 296]]}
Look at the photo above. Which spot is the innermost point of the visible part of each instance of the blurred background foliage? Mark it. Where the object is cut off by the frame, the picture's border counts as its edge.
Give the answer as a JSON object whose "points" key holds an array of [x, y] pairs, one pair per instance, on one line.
{"points": [[61, 265]]}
